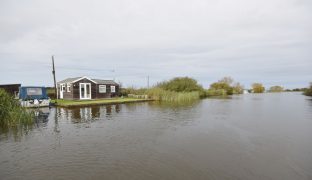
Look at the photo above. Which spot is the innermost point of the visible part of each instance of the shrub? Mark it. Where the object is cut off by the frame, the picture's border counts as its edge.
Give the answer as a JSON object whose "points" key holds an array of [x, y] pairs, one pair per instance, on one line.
{"points": [[257, 88], [225, 86], [180, 89], [51, 92], [238, 88], [131, 90], [216, 92], [180, 84], [308, 91], [276, 89]]}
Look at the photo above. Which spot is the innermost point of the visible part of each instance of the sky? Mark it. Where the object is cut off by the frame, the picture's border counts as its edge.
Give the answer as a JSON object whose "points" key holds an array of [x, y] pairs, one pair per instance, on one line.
{"points": [[267, 41]]}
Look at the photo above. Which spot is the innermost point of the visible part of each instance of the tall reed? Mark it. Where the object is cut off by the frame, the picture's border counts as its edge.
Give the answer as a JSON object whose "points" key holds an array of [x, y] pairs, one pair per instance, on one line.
{"points": [[11, 113], [171, 96]]}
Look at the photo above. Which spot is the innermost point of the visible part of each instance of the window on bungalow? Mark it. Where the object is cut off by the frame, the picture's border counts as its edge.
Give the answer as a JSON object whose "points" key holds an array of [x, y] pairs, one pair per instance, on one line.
{"points": [[112, 89], [68, 87], [63, 87], [102, 88]]}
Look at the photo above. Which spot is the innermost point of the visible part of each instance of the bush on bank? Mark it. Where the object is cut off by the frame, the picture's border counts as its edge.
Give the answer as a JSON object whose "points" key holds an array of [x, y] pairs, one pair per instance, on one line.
{"points": [[225, 86], [180, 84], [308, 91], [180, 89], [276, 89], [187, 89]]}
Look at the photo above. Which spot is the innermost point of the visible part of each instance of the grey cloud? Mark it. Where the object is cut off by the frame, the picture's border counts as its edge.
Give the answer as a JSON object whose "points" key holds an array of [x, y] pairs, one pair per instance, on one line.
{"points": [[268, 41]]}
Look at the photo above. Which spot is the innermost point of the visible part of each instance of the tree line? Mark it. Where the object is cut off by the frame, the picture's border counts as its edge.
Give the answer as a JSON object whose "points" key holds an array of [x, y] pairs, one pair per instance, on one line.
{"points": [[188, 88]]}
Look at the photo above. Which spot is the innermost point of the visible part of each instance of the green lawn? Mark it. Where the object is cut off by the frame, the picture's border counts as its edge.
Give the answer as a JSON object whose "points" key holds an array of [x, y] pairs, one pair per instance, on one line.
{"points": [[70, 103]]}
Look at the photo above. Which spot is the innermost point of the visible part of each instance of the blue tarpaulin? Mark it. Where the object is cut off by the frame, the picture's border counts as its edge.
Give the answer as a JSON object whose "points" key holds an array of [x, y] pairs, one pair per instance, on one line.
{"points": [[32, 92]]}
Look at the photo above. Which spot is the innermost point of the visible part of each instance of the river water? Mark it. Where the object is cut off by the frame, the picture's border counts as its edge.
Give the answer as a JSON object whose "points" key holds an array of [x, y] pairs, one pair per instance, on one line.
{"points": [[252, 136]]}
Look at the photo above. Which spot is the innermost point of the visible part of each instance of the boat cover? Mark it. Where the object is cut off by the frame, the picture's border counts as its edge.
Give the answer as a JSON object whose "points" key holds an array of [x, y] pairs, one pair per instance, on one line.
{"points": [[32, 92]]}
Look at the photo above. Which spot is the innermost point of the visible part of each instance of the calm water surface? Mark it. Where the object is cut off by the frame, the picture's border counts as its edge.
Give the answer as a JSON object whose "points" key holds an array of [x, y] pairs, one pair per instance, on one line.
{"points": [[264, 136]]}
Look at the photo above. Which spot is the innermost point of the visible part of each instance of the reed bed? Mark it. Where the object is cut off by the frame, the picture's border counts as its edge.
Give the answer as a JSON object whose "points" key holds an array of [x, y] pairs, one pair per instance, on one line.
{"points": [[11, 113], [171, 96], [215, 92]]}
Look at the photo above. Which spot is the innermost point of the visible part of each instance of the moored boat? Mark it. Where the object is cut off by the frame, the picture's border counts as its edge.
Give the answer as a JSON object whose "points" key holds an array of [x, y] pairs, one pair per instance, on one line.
{"points": [[33, 96]]}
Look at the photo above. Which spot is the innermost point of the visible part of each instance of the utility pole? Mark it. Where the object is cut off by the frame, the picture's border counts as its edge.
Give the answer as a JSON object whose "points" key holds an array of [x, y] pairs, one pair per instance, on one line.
{"points": [[53, 72], [147, 82]]}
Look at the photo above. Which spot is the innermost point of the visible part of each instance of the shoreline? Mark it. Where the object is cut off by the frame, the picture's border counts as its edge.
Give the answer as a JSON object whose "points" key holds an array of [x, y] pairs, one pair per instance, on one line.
{"points": [[81, 103]]}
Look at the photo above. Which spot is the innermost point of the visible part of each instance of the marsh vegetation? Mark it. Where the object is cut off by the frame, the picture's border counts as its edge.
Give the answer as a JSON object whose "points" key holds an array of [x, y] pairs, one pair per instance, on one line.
{"points": [[276, 89], [308, 91], [12, 115], [186, 89], [258, 88], [224, 87]]}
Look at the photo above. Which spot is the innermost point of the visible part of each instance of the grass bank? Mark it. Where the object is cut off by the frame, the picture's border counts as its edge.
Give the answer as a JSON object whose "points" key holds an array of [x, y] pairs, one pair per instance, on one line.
{"points": [[73, 103]]}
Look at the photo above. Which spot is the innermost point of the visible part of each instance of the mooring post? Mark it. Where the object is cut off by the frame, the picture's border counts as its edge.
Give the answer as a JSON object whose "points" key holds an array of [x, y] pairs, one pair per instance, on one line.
{"points": [[53, 72]]}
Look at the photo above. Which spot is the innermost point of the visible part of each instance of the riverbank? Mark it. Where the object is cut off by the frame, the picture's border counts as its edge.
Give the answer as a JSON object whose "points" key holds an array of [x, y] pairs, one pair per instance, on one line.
{"points": [[75, 103]]}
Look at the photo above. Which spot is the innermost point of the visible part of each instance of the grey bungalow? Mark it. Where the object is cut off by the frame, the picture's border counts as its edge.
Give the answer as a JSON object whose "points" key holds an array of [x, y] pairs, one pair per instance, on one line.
{"points": [[81, 88]]}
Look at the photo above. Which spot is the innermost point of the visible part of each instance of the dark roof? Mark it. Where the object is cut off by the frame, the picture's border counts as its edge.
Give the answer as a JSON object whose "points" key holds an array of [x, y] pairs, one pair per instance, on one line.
{"points": [[97, 81], [68, 80], [6, 85], [101, 81]]}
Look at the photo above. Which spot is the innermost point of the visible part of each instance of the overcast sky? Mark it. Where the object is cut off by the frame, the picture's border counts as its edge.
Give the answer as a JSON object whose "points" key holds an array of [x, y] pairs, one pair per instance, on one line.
{"points": [[267, 41]]}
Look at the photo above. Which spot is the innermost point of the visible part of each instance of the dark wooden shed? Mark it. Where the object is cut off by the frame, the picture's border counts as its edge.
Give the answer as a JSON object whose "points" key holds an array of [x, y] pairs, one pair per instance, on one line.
{"points": [[12, 89], [84, 88]]}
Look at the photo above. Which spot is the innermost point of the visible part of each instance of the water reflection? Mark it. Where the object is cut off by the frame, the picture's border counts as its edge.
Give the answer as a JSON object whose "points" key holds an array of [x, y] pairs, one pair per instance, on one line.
{"points": [[41, 118], [87, 114], [174, 105], [73, 115], [310, 101], [176, 114]]}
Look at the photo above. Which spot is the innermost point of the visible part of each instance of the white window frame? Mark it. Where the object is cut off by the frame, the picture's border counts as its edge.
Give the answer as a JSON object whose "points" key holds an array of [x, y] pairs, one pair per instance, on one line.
{"points": [[85, 92], [63, 87], [113, 89], [68, 87], [102, 88]]}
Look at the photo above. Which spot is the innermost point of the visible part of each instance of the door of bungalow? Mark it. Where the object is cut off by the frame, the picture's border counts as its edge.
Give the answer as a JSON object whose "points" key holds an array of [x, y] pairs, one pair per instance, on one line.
{"points": [[85, 90], [62, 89]]}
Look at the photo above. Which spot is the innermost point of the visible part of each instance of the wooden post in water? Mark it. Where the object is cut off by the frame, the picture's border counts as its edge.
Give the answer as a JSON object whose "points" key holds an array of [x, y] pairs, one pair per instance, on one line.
{"points": [[53, 72]]}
